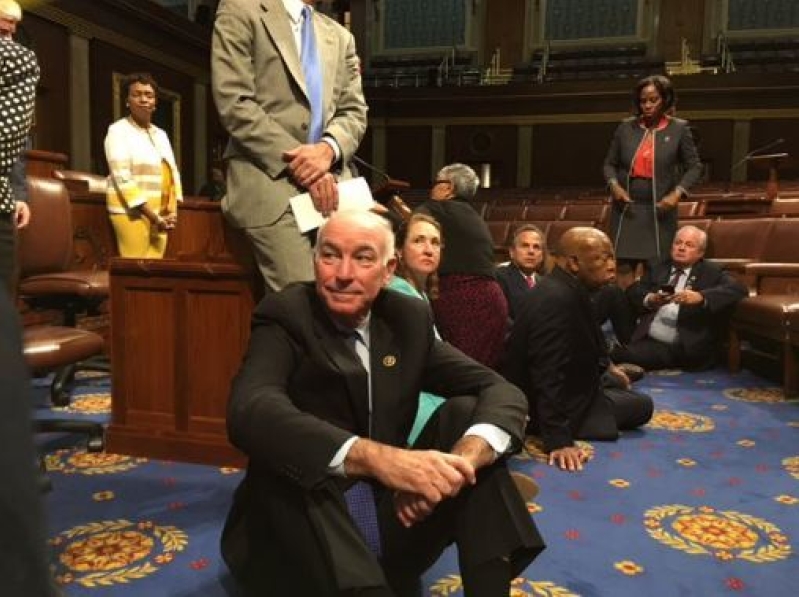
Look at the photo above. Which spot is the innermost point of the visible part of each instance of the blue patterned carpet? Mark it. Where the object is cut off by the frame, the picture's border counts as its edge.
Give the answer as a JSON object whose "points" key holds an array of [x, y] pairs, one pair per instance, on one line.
{"points": [[702, 502]]}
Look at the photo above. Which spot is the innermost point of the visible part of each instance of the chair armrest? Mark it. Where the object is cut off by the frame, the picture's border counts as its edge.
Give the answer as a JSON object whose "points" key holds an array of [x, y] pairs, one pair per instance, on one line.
{"points": [[773, 278], [735, 264], [773, 269]]}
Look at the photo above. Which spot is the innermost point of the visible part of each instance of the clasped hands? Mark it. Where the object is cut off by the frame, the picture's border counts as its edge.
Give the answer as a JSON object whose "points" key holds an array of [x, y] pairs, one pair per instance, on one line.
{"points": [[420, 479], [167, 221], [309, 166]]}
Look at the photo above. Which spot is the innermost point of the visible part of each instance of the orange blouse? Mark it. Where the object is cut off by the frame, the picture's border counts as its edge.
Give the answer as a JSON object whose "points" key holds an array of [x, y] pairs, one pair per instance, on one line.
{"points": [[644, 160]]}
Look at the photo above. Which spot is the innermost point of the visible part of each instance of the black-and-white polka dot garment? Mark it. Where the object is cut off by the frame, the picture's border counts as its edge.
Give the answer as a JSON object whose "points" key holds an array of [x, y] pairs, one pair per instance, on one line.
{"points": [[19, 73]]}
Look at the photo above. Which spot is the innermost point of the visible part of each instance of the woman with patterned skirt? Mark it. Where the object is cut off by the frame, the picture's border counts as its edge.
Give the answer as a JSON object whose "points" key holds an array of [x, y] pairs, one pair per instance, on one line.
{"points": [[471, 311]]}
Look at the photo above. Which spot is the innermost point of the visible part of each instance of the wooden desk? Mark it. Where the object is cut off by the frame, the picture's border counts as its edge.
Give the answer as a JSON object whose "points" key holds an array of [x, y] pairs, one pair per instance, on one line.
{"points": [[720, 204], [179, 332]]}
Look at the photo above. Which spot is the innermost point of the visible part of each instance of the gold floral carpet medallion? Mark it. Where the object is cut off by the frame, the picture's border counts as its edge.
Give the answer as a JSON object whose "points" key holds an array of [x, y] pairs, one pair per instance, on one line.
{"points": [[452, 585], [80, 462], [725, 535], [792, 466], [534, 449], [109, 552], [674, 420], [766, 395], [89, 404]]}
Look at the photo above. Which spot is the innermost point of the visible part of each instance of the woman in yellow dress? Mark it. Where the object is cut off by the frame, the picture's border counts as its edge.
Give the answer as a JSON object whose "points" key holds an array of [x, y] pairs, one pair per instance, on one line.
{"points": [[144, 183]]}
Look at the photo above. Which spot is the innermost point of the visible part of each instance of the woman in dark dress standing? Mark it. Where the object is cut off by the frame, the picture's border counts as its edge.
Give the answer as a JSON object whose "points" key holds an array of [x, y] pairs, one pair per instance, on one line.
{"points": [[471, 312], [651, 164]]}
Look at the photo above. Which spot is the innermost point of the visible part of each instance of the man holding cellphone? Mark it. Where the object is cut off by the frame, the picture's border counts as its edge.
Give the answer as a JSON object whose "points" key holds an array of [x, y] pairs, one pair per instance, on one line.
{"points": [[683, 301]]}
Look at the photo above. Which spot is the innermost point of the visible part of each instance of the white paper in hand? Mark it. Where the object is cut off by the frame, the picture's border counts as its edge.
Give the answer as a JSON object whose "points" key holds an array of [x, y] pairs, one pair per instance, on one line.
{"points": [[352, 194]]}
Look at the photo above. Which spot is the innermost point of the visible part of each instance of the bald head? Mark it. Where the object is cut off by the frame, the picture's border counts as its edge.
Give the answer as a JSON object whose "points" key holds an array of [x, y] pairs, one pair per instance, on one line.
{"points": [[587, 254]]}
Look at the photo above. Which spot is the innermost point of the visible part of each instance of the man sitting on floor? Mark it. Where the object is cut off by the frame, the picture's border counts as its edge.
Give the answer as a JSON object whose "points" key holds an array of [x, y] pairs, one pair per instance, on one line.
{"points": [[557, 354], [528, 253], [684, 301], [322, 406]]}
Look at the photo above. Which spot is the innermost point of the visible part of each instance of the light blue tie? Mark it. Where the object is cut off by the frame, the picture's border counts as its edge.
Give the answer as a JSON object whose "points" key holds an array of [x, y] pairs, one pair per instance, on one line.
{"points": [[312, 69]]}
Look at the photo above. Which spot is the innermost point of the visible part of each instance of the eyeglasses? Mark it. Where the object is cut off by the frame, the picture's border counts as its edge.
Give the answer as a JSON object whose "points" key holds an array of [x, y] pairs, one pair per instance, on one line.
{"points": [[441, 181]]}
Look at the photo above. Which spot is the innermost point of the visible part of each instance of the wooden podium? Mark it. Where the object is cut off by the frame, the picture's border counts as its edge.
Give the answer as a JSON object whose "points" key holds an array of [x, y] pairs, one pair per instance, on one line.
{"points": [[180, 329], [771, 161]]}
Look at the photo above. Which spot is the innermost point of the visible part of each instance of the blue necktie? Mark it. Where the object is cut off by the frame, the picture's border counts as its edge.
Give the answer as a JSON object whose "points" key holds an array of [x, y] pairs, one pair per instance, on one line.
{"points": [[360, 498], [312, 70]]}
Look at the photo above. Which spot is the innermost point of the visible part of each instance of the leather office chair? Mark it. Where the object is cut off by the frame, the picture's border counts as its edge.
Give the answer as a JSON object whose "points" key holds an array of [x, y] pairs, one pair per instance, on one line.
{"points": [[44, 255], [55, 348], [45, 252]]}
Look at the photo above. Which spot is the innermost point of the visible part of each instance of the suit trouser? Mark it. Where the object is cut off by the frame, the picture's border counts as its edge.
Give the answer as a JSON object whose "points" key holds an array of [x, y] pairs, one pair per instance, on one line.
{"points": [[322, 553], [282, 253], [651, 354]]}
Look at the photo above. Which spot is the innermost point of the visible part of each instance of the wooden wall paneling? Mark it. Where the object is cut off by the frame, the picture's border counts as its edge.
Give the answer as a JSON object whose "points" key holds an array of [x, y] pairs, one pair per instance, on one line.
{"points": [[714, 138], [180, 331], [569, 153], [504, 29], [409, 153], [366, 153], [496, 145], [144, 348], [213, 317], [148, 24], [50, 42], [765, 131], [107, 60], [681, 19], [93, 243]]}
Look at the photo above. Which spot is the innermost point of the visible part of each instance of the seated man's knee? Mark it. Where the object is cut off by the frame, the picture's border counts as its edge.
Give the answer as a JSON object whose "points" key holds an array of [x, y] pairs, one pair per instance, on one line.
{"points": [[448, 423]]}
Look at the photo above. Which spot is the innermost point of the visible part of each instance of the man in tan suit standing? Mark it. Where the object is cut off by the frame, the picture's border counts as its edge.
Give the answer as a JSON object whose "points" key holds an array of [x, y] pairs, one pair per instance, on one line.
{"points": [[290, 98]]}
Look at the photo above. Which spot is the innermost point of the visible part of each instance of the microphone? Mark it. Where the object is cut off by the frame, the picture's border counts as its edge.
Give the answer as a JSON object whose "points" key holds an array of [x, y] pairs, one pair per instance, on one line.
{"points": [[385, 193], [371, 168], [754, 152]]}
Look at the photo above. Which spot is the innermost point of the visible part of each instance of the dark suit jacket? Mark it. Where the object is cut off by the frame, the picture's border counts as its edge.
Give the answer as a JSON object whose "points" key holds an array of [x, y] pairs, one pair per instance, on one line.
{"points": [[697, 325], [556, 354], [302, 392], [676, 164], [514, 286]]}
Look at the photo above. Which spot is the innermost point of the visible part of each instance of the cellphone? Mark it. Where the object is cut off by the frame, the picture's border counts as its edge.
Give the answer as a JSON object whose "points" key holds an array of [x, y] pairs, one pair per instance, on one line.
{"points": [[667, 289]]}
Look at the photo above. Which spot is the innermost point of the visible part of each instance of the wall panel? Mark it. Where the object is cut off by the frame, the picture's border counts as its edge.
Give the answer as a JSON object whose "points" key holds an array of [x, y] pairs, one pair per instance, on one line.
{"points": [[409, 153], [107, 60], [50, 41], [495, 145]]}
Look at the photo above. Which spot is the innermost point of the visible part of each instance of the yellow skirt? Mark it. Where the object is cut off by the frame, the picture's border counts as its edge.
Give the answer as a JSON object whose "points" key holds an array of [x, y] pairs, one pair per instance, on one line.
{"points": [[137, 238]]}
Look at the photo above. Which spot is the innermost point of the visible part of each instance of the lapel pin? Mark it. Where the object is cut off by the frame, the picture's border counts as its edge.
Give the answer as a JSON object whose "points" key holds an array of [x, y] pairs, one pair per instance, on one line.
{"points": [[389, 360]]}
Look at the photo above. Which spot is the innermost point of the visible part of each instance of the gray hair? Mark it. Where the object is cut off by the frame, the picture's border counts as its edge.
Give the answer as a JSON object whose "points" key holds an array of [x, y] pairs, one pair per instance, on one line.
{"points": [[464, 180], [10, 9], [367, 219], [701, 235]]}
